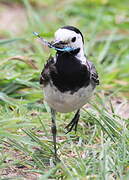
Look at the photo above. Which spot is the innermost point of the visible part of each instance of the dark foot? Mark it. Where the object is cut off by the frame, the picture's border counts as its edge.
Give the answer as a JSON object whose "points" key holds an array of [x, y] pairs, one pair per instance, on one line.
{"points": [[73, 123], [56, 160]]}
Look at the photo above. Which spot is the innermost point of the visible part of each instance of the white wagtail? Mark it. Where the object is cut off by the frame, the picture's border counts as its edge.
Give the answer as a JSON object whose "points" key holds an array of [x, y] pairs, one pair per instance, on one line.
{"points": [[68, 79]]}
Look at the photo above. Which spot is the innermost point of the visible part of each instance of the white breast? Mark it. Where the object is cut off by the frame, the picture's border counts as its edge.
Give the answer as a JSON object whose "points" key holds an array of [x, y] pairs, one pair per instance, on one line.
{"points": [[66, 102]]}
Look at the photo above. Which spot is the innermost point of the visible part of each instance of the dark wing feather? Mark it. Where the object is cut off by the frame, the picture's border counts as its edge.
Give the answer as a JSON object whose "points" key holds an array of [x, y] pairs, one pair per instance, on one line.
{"points": [[45, 74], [94, 75]]}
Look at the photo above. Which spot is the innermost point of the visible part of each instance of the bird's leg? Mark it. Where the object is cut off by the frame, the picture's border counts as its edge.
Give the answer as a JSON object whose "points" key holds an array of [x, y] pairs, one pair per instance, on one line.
{"points": [[53, 129], [74, 122]]}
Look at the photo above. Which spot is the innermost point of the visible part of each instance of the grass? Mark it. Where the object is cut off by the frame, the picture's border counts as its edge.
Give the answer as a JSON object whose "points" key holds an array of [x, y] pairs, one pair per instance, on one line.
{"points": [[99, 150]]}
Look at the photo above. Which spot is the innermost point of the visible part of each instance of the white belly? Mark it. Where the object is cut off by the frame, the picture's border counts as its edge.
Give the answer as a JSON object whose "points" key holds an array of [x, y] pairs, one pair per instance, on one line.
{"points": [[66, 102]]}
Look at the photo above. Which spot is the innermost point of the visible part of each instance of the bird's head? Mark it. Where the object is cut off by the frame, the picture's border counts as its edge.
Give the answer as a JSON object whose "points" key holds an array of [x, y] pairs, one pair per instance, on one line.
{"points": [[71, 37]]}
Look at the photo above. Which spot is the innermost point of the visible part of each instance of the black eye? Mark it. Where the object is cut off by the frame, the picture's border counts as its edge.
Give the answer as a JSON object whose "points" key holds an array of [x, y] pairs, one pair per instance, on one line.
{"points": [[73, 39]]}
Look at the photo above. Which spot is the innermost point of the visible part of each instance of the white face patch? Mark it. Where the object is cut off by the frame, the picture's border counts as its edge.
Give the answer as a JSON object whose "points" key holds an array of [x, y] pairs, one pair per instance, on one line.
{"points": [[66, 35]]}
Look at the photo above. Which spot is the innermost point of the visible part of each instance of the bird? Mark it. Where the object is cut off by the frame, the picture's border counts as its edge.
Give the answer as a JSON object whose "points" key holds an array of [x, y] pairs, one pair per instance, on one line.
{"points": [[68, 79]]}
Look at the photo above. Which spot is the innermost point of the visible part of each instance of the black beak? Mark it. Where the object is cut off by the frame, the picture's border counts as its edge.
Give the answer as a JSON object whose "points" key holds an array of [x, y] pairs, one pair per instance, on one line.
{"points": [[59, 44]]}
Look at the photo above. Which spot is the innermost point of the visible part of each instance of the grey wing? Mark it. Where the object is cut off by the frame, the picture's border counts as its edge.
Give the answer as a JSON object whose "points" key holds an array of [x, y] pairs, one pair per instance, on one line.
{"points": [[94, 75]]}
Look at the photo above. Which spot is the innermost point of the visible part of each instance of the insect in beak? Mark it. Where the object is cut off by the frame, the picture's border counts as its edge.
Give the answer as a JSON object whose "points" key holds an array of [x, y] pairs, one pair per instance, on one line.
{"points": [[57, 45]]}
